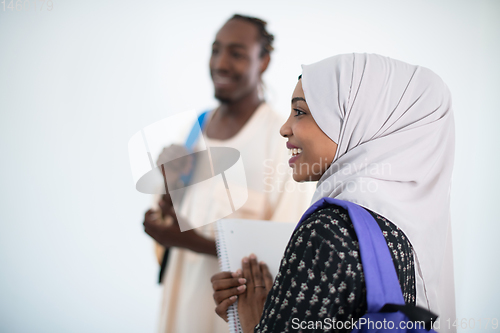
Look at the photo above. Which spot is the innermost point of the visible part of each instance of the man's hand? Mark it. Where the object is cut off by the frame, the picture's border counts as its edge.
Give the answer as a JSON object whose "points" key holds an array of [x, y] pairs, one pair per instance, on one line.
{"points": [[166, 231], [174, 161], [165, 205]]}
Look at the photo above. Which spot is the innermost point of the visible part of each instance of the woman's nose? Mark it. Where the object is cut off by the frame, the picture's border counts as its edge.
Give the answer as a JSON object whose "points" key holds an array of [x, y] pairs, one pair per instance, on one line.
{"points": [[286, 129]]}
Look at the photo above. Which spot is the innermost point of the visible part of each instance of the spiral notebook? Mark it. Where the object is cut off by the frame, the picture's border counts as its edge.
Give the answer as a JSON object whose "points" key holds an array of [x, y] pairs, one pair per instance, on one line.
{"points": [[239, 238]]}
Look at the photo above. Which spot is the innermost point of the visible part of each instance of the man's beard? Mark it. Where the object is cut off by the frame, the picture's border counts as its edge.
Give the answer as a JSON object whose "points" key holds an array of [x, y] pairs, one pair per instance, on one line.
{"points": [[223, 99]]}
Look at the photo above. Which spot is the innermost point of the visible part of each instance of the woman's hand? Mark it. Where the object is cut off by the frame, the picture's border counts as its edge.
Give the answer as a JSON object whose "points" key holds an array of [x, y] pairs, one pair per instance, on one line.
{"points": [[227, 286], [259, 283]]}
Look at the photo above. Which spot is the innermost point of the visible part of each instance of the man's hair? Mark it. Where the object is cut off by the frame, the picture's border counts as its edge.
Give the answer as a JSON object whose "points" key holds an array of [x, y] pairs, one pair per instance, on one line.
{"points": [[266, 39]]}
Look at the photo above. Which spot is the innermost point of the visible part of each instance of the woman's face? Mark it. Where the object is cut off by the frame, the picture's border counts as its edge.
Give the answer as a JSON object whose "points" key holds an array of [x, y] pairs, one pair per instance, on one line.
{"points": [[312, 150]]}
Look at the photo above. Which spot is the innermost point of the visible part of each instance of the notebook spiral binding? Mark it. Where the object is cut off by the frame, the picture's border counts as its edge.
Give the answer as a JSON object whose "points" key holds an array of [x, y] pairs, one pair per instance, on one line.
{"points": [[232, 311]]}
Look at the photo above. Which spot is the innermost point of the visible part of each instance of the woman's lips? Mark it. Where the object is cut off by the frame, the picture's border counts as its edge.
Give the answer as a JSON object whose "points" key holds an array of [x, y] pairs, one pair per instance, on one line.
{"points": [[295, 152], [292, 160]]}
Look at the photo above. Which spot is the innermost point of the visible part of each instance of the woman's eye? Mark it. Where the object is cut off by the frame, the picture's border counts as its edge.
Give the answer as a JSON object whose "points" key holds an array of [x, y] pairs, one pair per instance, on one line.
{"points": [[298, 112], [237, 55], [215, 51]]}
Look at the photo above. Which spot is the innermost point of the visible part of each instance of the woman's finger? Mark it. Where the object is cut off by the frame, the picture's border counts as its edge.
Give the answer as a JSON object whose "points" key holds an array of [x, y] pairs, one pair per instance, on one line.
{"points": [[268, 278], [220, 276], [247, 274], [227, 283], [220, 296], [256, 273], [221, 309]]}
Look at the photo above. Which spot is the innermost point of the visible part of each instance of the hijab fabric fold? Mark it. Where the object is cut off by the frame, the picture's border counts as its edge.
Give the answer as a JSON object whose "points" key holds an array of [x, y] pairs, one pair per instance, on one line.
{"points": [[393, 124]]}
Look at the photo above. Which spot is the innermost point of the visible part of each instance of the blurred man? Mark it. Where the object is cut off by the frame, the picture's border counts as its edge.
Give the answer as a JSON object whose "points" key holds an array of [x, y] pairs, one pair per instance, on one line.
{"points": [[241, 53]]}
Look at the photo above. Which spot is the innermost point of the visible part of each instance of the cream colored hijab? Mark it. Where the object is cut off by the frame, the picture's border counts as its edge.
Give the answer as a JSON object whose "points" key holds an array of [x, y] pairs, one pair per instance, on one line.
{"points": [[394, 127]]}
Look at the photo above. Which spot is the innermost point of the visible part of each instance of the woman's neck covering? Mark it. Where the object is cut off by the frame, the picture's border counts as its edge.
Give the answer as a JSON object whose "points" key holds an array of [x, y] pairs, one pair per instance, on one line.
{"points": [[394, 127]]}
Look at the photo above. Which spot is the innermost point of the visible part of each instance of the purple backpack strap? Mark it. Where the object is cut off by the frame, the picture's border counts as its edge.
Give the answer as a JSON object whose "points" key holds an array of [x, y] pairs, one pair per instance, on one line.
{"points": [[383, 293]]}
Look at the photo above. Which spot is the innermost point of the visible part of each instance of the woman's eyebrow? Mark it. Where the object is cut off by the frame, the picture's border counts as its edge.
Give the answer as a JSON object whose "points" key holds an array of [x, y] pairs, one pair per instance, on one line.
{"points": [[296, 99]]}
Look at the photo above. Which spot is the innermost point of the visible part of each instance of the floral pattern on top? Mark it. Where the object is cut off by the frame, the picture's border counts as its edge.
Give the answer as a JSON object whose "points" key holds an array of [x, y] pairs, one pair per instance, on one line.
{"points": [[321, 273]]}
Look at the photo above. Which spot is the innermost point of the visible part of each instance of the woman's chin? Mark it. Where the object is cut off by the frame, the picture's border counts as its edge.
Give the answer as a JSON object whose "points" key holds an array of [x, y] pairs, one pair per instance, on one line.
{"points": [[305, 178], [299, 178]]}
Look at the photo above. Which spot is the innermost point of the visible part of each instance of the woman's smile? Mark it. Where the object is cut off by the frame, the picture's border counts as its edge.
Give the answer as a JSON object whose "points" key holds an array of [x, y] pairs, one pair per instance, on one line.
{"points": [[294, 151]]}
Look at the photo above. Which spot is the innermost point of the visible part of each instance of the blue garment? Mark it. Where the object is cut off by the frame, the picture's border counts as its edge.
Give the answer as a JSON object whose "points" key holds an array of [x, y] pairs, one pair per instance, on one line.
{"points": [[195, 133], [192, 139]]}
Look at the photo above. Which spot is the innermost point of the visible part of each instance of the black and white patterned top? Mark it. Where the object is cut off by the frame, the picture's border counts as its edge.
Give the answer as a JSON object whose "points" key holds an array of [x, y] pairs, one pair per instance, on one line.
{"points": [[321, 274]]}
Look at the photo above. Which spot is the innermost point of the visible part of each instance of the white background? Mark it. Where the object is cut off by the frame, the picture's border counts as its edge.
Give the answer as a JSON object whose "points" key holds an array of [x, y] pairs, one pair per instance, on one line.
{"points": [[78, 81]]}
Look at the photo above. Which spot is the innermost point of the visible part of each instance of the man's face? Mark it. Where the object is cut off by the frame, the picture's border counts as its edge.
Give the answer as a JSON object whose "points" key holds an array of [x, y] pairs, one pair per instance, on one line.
{"points": [[235, 64]]}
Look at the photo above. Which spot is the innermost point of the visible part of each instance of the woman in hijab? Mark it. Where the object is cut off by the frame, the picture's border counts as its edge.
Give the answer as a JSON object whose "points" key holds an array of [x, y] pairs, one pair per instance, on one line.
{"points": [[379, 133]]}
